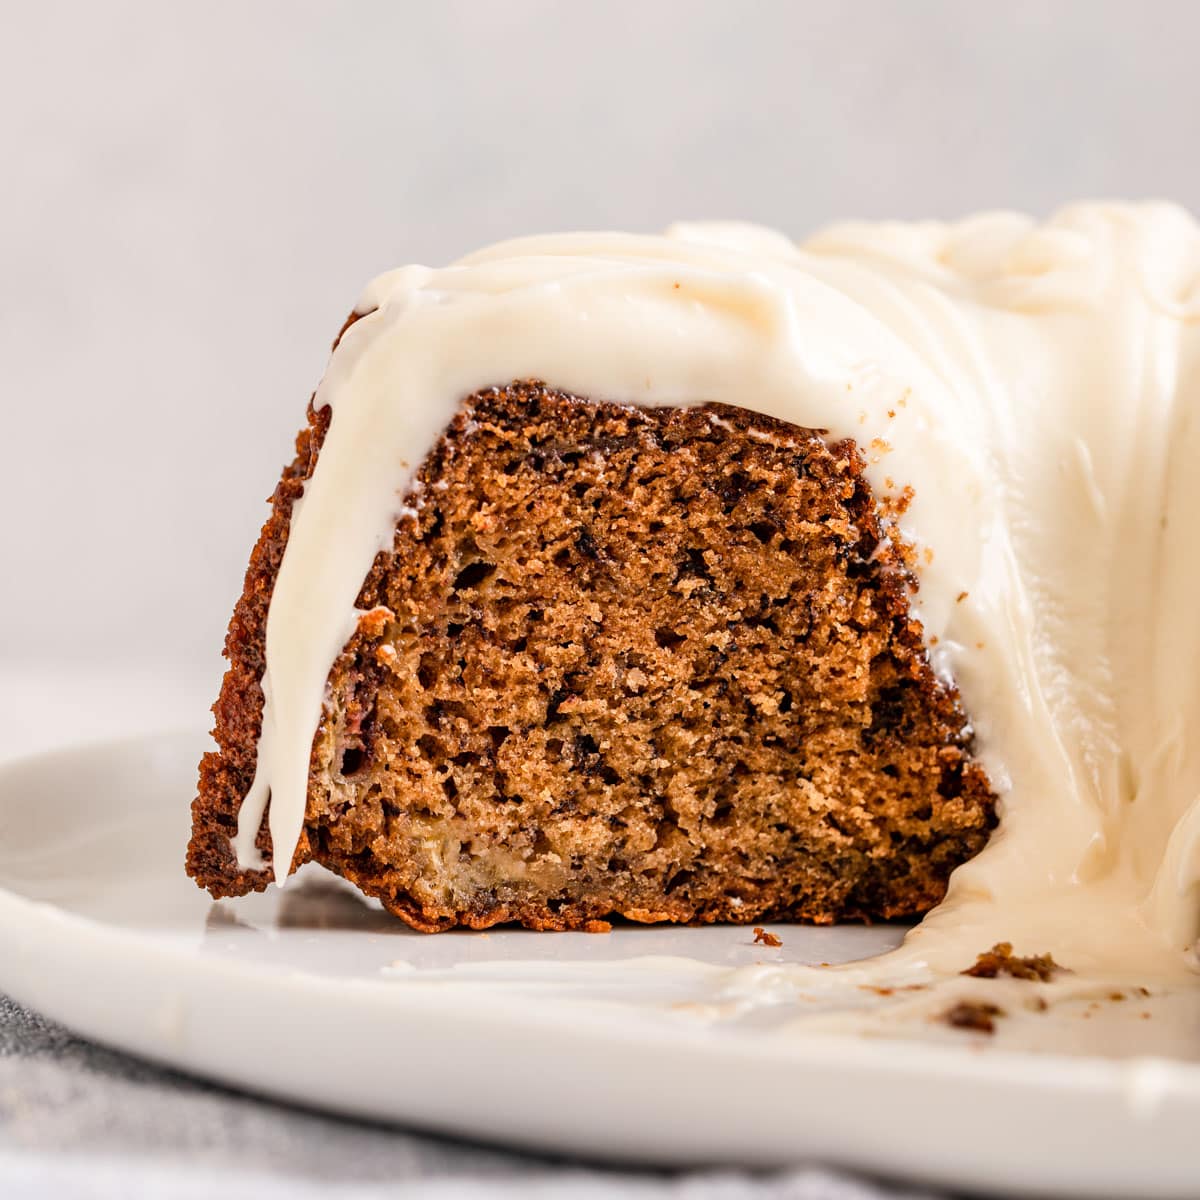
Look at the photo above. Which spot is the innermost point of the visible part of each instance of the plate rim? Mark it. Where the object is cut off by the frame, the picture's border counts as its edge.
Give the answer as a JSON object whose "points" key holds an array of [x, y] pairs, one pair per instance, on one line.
{"points": [[31, 931]]}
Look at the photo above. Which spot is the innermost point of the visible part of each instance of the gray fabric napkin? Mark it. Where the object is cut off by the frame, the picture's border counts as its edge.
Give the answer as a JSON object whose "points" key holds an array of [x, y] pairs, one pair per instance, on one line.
{"points": [[80, 1121]]}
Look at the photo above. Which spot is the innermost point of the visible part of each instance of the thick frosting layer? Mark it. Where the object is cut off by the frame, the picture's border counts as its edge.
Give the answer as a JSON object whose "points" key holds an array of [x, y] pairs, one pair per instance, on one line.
{"points": [[1038, 388]]}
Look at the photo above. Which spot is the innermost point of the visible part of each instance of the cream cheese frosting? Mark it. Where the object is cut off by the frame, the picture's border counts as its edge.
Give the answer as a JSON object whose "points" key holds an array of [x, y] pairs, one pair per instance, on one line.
{"points": [[1038, 389]]}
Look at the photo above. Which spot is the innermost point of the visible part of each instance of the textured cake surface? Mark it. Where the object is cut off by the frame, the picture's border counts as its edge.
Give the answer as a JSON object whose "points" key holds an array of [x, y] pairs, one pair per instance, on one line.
{"points": [[654, 663]]}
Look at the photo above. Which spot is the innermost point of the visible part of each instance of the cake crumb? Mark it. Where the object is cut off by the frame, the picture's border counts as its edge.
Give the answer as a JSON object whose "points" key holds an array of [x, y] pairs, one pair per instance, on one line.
{"points": [[372, 624], [464, 595], [763, 938], [973, 1014], [1000, 960]]}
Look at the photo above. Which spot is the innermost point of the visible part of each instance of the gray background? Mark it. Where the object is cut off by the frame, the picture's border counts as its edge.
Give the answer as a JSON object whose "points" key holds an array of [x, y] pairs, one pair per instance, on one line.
{"points": [[193, 195]]}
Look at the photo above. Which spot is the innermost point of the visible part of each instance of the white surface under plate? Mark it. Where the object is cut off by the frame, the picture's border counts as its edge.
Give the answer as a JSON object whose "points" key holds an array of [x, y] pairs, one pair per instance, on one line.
{"points": [[622, 1045]]}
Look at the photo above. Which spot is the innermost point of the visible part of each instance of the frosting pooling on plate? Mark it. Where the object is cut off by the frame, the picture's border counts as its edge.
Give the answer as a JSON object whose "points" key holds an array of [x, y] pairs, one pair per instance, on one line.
{"points": [[1037, 387]]}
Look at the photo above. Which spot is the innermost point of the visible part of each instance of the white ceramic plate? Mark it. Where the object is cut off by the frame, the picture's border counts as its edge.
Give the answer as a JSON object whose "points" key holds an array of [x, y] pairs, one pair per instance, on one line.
{"points": [[604, 1045]]}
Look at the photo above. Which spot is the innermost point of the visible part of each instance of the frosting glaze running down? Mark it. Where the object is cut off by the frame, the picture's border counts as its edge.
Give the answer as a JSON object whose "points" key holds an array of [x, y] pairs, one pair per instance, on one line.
{"points": [[1037, 386]]}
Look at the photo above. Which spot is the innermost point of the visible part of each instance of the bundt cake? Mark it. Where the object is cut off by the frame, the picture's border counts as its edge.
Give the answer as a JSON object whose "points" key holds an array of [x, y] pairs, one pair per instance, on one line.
{"points": [[711, 578]]}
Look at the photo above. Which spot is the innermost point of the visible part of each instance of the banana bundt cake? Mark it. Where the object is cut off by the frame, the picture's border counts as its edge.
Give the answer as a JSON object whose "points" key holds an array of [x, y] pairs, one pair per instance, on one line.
{"points": [[700, 578]]}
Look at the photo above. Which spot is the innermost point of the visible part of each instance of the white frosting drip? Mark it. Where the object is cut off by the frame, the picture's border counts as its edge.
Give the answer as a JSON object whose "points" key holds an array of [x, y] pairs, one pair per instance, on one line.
{"points": [[1039, 389]]}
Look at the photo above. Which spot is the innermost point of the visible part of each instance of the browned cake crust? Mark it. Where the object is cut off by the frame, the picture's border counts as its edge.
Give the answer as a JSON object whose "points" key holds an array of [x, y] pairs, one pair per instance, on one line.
{"points": [[649, 663]]}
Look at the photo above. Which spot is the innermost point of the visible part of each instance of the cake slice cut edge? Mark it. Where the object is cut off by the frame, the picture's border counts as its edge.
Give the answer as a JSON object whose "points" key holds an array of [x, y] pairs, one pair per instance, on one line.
{"points": [[658, 664]]}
